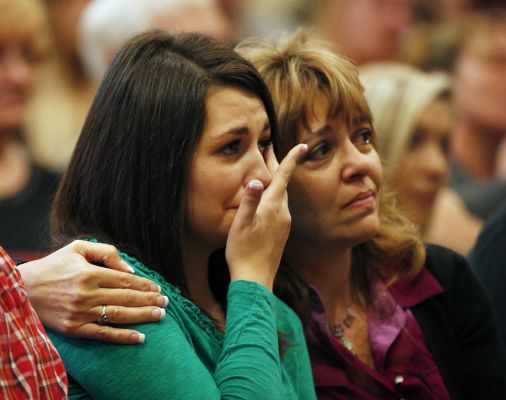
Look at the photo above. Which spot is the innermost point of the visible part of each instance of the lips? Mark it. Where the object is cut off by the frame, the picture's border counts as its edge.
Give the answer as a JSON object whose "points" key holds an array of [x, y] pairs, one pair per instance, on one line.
{"points": [[364, 199]]}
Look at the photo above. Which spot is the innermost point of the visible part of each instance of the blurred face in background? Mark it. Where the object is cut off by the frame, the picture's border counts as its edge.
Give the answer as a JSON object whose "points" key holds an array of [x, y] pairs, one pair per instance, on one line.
{"points": [[64, 16], [204, 17], [480, 84], [16, 79], [23, 41], [369, 30], [423, 169]]}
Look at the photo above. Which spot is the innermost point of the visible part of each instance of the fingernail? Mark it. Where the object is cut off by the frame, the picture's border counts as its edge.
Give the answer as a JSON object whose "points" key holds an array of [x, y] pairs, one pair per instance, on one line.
{"points": [[303, 148], [255, 184], [158, 313], [155, 288], [128, 266], [141, 337], [162, 301]]}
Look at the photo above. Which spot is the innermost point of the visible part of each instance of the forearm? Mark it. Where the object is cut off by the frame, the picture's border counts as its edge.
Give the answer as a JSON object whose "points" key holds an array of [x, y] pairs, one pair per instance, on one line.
{"points": [[250, 362]]}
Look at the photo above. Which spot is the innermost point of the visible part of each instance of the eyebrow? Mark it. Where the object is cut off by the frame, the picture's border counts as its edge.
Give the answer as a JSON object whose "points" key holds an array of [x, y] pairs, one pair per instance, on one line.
{"points": [[358, 120], [320, 132], [244, 130]]}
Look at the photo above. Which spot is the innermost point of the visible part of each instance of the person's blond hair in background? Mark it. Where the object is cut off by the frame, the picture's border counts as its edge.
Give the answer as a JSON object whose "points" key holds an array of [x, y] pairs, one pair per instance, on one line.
{"points": [[62, 92], [414, 119]]}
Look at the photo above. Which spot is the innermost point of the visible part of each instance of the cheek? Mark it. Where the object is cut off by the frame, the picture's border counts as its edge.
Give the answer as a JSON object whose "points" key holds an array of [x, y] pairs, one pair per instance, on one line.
{"points": [[376, 170], [216, 185], [309, 194], [406, 173]]}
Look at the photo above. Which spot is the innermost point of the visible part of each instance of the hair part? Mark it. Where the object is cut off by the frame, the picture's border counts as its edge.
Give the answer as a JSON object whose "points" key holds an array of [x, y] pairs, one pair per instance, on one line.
{"points": [[397, 95]]}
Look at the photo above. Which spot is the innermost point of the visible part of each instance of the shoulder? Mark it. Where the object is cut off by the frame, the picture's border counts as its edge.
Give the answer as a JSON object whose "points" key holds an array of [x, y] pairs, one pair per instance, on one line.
{"points": [[463, 294], [489, 251], [436, 278], [445, 264]]}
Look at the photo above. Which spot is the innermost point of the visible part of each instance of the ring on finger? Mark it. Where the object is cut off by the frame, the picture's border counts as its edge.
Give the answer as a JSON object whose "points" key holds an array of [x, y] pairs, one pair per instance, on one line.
{"points": [[103, 319]]}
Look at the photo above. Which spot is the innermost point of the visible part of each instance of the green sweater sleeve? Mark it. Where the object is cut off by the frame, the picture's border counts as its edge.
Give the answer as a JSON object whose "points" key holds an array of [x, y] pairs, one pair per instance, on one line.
{"points": [[167, 365], [250, 348]]}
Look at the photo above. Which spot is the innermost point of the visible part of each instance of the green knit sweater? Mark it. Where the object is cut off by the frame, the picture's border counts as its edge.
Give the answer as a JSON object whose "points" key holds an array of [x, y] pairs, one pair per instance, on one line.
{"points": [[185, 357]]}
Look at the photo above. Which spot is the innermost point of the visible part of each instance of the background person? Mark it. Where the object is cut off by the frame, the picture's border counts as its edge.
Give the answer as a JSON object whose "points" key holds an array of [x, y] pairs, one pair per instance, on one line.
{"points": [[62, 90], [26, 188], [105, 25], [414, 119], [362, 30], [30, 367], [487, 259], [472, 50]]}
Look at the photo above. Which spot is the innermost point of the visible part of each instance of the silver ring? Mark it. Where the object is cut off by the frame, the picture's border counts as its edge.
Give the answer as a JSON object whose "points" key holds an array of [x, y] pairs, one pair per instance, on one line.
{"points": [[103, 318]]}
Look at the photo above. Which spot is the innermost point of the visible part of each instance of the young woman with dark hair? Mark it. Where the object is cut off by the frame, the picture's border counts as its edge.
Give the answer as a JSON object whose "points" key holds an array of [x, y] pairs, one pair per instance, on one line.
{"points": [[175, 153]]}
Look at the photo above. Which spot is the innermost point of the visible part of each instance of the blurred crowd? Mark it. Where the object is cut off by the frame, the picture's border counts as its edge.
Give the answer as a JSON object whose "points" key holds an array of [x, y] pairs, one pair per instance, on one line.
{"points": [[432, 71]]}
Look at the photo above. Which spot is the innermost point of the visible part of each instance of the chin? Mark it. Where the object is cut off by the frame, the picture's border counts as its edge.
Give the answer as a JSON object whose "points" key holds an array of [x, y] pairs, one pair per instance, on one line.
{"points": [[367, 231]]}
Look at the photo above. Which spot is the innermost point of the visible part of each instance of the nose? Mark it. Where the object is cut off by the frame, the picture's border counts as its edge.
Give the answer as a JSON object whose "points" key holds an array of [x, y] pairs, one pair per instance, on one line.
{"points": [[356, 164], [397, 14], [435, 163], [16, 69], [257, 169]]}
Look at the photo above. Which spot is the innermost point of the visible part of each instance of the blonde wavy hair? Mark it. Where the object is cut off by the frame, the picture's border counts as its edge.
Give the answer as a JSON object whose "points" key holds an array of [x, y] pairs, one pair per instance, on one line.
{"points": [[26, 19], [397, 95], [298, 68]]}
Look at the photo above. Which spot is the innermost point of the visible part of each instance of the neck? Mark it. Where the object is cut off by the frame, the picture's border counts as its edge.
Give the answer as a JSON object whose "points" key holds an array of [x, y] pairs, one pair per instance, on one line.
{"points": [[195, 265], [326, 267], [475, 150]]}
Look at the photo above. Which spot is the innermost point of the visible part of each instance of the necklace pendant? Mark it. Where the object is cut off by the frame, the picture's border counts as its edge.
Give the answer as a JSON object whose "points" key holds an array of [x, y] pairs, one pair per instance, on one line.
{"points": [[338, 331], [348, 344]]}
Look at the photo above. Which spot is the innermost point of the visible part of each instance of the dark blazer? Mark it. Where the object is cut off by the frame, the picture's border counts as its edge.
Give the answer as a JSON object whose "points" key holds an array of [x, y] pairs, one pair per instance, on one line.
{"points": [[461, 331]]}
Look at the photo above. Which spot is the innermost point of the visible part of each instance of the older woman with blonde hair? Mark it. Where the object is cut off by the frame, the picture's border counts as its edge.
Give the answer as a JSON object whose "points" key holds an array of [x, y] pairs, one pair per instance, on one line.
{"points": [[413, 117], [385, 316]]}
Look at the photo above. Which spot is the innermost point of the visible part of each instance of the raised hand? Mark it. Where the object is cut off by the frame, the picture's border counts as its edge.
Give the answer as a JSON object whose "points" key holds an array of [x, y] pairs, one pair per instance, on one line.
{"points": [[68, 292], [261, 226]]}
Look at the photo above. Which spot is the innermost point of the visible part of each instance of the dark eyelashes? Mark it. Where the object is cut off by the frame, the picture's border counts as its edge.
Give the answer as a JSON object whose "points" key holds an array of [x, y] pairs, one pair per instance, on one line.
{"points": [[232, 148], [366, 135], [265, 142]]}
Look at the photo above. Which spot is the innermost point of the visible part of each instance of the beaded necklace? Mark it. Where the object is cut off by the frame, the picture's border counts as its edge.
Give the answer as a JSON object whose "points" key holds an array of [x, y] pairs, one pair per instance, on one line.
{"points": [[338, 329]]}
